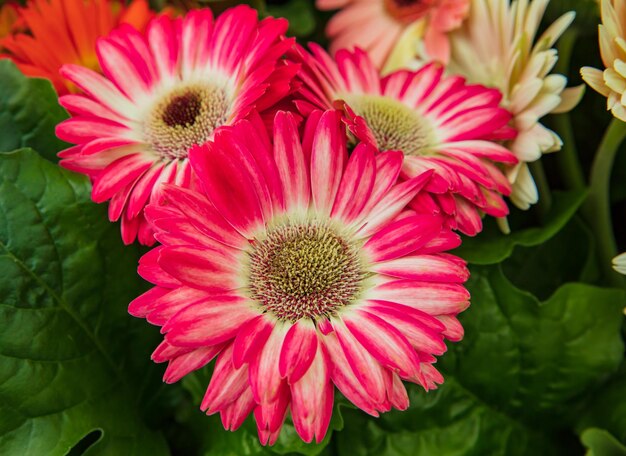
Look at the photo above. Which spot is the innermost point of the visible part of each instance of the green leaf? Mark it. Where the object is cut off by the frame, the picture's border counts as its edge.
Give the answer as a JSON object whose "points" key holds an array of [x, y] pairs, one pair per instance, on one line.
{"points": [[29, 113], [72, 361], [450, 421], [299, 13], [607, 407], [534, 359], [514, 384], [558, 262], [491, 246], [600, 443]]}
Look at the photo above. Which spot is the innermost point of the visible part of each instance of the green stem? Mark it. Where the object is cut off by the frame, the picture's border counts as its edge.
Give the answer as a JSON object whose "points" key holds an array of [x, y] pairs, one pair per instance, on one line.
{"points": [[543, 188], [597, 208], [567, 158]]}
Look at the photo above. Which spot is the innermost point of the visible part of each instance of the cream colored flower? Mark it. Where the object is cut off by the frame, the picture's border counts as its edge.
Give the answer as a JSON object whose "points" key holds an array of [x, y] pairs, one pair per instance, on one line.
{"points": [[619, 263], [612, 81], [497, 46]]}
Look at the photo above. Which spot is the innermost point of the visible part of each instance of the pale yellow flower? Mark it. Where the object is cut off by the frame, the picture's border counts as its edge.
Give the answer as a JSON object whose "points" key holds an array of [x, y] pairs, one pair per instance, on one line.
{"points": [[612, 35]]}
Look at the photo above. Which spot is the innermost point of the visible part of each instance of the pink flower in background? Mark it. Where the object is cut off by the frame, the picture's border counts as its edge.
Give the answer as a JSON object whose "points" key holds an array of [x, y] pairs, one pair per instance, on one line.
{"points": [[439, 122], [162, 93], [300, 269], [376, 25]]}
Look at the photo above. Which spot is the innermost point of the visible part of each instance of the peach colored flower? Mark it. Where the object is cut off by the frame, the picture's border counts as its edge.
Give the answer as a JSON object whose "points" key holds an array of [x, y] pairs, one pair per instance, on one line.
{"points": [[376, 25]]}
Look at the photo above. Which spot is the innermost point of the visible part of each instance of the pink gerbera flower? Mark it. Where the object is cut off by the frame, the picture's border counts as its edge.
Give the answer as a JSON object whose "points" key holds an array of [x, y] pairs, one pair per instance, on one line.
{"points": [[439, 122], [298, 268], [376, 25], [162, 93]]}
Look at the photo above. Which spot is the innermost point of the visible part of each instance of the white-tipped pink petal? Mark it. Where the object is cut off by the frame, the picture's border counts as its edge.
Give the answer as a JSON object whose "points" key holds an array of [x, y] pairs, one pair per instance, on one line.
{"points": [[389, 346], [312, 400], [356, 185], [298, 350], [264, 379], [289, 158], [435, 299], [328, 156], [208, 323], [402, 237], [251, 339]]}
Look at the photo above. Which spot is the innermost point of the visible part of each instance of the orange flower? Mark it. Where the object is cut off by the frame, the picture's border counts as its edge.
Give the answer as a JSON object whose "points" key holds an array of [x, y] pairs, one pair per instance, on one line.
{"points": [[9, 19], [65, 31]]}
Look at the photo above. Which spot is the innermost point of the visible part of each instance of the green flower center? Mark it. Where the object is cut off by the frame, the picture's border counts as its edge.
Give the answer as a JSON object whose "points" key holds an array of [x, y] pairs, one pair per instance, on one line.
{"points": [[304, 271], [394, 125], [185, 117]]}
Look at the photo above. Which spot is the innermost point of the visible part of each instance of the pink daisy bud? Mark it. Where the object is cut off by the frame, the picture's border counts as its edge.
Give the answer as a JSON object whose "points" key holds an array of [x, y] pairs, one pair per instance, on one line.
{"points": [[162, 93], [300, 269], [439, 122]]}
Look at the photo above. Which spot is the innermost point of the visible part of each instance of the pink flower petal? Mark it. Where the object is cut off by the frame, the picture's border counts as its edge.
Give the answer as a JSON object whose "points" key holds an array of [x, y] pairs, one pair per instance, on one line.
{"points": [[393, 203], [189, 362], [328, 156], [213, 321], [402, 237], [364, 366], [251, 339], [298, 350], [289, 158], [228, 185], [209, 269], [426, 268], [312, 400], [265, 382], [384, 342], [356, 185], [434, 299]]}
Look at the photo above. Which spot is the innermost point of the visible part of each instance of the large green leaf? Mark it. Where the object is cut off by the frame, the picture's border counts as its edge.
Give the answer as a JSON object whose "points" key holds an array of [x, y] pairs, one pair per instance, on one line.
{"points": [[535, 359], [514, 384], [607, 407], [29, 113], [491, 246], [72, 361]]}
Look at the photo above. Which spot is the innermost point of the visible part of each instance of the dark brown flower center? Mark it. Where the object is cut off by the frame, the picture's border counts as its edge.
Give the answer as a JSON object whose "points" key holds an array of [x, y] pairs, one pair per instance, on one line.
{"points": [[304, 271], [185, 117], [183, 110]]}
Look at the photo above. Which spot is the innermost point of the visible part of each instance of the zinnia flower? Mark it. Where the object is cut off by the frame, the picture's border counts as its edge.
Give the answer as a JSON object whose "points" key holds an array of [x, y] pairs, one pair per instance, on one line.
{"points": [[161, 94], [299, 269], [438, 122], [376, 25], [497, 47], [612, 81], [65, 31]]}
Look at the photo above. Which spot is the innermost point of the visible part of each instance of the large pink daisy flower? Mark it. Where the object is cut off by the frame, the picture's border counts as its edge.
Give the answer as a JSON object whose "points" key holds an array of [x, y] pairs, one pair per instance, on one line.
{"points": [[439, 122], [298, 268], [376, 25], [162, 93]]}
